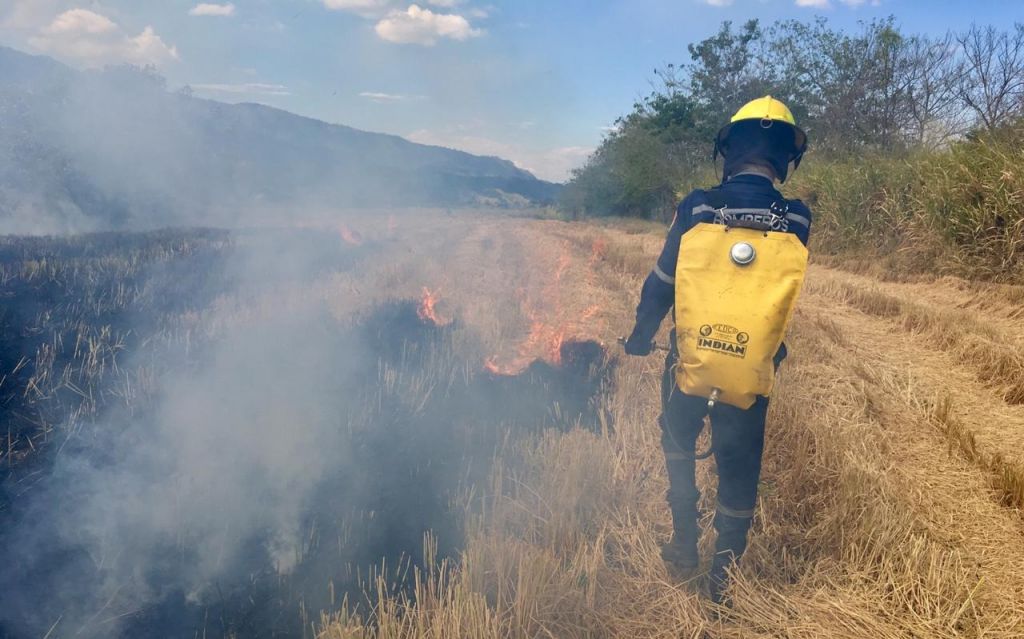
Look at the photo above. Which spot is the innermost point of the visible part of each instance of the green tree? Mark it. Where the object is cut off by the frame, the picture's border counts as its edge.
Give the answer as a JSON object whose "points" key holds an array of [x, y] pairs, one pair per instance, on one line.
{"points": [[874, 91]]}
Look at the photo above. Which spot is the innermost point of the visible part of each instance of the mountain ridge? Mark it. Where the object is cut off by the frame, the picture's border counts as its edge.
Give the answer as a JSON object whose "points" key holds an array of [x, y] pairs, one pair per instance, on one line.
{"points": [[86, 150]]}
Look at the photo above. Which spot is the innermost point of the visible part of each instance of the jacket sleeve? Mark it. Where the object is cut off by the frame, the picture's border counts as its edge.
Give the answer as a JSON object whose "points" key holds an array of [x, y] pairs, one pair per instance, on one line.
{"points": [[801, 216], [658, 294]]}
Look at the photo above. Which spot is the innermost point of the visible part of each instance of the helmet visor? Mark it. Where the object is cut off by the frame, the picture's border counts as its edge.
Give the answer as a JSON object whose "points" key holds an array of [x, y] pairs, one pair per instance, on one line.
{"points": [[793, 140]]}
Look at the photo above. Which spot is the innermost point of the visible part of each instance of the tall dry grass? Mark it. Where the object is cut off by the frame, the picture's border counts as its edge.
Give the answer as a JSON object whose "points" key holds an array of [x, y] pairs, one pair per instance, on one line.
{"points": [[953, 211], [868, 524], [996, 358], [881, 512]]}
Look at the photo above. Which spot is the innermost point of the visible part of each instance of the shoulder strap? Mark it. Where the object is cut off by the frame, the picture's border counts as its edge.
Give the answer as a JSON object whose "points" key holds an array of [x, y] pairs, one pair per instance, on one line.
{"points": [[715, 198], [778, 209]]}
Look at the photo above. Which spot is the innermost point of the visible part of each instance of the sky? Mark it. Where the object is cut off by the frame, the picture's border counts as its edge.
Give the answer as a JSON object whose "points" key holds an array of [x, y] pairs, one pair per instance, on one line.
{"points": [[534, 81]]}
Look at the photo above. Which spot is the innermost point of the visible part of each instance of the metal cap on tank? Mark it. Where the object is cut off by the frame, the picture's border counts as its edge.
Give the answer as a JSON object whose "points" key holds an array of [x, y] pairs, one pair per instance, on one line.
{"points": [[742, 253]]}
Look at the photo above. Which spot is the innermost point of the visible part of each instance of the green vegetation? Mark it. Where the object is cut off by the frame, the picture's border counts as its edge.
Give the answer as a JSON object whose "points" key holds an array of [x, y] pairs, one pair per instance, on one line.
{"points": [[957, 210], [915, 141]]}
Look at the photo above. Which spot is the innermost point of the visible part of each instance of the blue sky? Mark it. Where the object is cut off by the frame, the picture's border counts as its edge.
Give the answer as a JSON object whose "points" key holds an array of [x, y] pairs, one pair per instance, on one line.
{"points": [[531, 80]]}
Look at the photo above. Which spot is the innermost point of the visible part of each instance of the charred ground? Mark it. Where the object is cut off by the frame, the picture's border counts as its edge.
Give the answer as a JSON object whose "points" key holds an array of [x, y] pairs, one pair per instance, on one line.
{"points": [[447, 373], [416, 428]]}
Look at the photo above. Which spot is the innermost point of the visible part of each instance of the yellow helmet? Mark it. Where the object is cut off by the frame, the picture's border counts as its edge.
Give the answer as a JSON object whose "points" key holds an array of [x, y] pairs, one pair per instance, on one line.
{"points": [[770, 113], [766, 108]]}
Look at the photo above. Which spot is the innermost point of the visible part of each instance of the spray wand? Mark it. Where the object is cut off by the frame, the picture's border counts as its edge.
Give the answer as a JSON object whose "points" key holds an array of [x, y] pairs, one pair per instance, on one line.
{"points": [[655, 346]]}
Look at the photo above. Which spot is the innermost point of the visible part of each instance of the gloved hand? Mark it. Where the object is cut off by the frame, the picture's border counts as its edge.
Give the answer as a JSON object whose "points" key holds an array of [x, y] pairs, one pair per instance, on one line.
{"points": [[638, 344]]}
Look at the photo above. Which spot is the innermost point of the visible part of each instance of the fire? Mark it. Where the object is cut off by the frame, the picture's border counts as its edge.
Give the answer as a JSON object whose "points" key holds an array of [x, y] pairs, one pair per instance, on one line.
{"points": [[544, 342], [546, 339], [548, 325], [427, 310], [492, 367], [350, 236]]}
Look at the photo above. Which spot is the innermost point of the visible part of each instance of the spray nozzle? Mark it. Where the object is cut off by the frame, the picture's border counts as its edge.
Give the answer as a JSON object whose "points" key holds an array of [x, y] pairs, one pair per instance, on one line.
{"points": [[713, 398]]}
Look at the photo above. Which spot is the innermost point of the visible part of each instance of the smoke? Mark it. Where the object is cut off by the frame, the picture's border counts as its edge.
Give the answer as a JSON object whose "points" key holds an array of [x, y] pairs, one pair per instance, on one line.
{"points": [[173, 500], [115, 149], [284, 453], [266, 440]]}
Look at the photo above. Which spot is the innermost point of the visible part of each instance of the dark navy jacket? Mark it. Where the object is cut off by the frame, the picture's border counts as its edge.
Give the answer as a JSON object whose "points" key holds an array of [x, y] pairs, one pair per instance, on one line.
{"points": [[745, 195]]}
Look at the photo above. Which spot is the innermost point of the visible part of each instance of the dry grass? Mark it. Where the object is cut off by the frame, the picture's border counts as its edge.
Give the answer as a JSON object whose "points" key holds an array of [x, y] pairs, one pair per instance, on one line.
{"points": [[953, 211], [867, 525], [884, 510], [1005, 477], [996, 357]]}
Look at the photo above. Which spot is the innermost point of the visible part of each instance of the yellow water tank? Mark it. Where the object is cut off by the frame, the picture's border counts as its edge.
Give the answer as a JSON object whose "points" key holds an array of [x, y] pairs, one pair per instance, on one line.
{"points": [[736, 290]]}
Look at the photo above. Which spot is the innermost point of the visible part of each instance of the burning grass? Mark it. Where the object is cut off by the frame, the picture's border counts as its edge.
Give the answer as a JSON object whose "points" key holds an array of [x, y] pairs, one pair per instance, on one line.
{"points": [[538, 489], [422, 431], [841, 548], [866, 527]]}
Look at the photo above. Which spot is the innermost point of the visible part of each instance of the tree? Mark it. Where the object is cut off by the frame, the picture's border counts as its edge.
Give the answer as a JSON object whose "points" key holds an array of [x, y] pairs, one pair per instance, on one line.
{"points": [[640, 162], [873, 90], [992, 83], [934, 72], [726, 70], [854, 88]]}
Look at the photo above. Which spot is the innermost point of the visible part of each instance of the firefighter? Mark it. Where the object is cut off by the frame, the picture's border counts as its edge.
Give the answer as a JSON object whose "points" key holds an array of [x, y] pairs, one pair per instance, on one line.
{"points": [[758, 146]]}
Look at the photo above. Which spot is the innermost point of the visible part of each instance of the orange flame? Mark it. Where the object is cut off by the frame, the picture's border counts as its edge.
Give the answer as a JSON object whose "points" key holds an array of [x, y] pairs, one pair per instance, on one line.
{"points": [[427, 310], [491, 366], [544, 339]]}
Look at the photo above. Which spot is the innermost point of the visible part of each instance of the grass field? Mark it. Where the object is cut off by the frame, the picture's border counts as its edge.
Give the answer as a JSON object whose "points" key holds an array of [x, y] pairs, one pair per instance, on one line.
{"points": [[893, 484]]}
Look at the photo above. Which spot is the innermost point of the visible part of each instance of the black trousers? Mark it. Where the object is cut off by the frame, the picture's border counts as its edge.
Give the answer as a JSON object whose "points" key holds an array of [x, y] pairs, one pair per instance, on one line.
{"points": [[738, 441]]}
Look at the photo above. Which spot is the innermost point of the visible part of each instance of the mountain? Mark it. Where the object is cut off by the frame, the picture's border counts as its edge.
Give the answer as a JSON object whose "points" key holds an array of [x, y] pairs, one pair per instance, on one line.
{"points": [[114, 149]]}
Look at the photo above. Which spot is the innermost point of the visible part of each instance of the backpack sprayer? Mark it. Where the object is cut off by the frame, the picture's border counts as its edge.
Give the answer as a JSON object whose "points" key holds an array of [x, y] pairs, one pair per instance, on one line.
{"points": [[736, 288]]}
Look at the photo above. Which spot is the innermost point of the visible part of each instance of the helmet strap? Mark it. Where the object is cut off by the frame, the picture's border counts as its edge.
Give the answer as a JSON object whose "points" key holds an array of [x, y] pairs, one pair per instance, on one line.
{"points": [[714, 161]]}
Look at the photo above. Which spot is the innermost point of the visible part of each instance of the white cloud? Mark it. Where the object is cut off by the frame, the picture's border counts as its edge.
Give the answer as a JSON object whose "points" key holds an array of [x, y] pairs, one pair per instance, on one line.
{"points": [[826, 4], [148, 47], [249, 88], [80, 21], [554, 164], [94, 39], [378, 8], [416, 25], [385, 98], [718, 3], [213, 10]]}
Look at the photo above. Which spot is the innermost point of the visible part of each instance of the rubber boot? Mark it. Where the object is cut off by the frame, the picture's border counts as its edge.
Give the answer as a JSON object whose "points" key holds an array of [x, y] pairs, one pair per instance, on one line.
{"points": [[732, 541], [680, 553]]}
